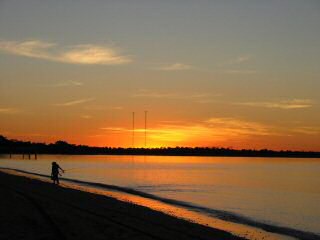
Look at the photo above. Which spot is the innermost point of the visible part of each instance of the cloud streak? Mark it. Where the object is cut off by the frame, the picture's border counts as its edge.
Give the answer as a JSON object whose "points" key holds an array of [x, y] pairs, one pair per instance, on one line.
{"points": [[213, 129], [308, 130], [239, 71], [284, 104], [86, 116], [234, 66], [116, 129], [176, 67], [241, 59], [86, 54], [238, 127], [238, 60], [9, 110], [67, 84], [103, 108], [145, 93], [74, 102]]}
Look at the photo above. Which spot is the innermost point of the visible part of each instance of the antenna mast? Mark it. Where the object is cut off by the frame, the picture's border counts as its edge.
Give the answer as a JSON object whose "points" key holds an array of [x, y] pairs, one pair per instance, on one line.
{"points": [[145, 128], [133, 129]]}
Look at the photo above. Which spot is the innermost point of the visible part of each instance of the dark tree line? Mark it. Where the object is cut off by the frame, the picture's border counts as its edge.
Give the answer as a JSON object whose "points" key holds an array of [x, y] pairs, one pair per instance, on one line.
{"points": [[8, 146]]}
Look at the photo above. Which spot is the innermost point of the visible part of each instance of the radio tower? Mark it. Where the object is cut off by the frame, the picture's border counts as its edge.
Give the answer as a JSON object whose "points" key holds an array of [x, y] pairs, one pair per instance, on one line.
{"points": [[145, 128], [133, 129]]}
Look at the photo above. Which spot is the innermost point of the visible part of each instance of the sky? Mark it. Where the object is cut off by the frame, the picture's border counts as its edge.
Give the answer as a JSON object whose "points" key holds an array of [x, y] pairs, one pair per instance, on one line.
{"points": [[239, 74]]}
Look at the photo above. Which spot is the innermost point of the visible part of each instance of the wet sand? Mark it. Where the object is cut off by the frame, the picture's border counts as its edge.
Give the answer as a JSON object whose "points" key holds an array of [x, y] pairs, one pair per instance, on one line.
{"points": [[33, 209]]}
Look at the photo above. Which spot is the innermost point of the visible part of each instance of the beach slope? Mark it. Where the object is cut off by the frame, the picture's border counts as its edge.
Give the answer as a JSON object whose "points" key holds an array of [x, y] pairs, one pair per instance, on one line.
{"points": [[33, 209]]}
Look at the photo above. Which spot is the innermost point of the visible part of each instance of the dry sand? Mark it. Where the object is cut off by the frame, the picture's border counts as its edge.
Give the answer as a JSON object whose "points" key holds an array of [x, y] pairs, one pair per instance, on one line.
{"points": [[33, 209]]}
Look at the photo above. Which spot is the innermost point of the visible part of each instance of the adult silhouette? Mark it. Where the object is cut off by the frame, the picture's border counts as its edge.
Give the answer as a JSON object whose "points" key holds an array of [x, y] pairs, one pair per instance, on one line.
{"points": [[55, 173]]}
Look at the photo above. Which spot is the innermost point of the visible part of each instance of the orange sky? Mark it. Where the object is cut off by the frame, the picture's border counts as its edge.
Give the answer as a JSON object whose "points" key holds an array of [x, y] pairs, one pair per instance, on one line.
{"points": [[208, 73]]}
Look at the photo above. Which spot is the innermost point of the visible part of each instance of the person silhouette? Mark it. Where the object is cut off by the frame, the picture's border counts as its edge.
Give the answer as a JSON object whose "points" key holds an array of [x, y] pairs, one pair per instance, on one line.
{"points": [[55, 173]]}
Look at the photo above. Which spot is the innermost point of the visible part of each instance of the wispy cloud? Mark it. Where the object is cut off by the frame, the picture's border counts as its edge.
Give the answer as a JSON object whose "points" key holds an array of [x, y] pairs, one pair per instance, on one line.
{"points": [[146, 93], [9, 110], [75, 54], [74, 102], [238, 60], [175, 67], [234, 66], [284, 104], [86, 116], [237, 127], [212, 129], [115, 129], [67, 84], [240, 71], [308, 130], [28, 134], [241, 59], [94, 54], [103, 108]]}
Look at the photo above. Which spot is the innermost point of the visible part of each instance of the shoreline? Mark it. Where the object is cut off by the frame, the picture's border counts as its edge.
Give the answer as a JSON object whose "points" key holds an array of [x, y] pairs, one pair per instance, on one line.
{"points": [[11, 146], [156, 155], [37, 209], [223, 221]]}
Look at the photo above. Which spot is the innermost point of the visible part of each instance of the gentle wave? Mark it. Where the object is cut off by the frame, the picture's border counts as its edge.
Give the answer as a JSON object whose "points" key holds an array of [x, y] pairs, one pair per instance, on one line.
{"points": [[221, 214]]}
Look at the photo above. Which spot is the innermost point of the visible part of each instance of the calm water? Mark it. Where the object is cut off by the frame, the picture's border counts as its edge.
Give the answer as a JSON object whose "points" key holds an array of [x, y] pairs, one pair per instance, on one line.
{"points": [[275, 191]]}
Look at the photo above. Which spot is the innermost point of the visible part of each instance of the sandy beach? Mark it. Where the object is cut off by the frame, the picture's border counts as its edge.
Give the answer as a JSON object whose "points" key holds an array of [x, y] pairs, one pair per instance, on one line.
{"points": [[33, 209]]}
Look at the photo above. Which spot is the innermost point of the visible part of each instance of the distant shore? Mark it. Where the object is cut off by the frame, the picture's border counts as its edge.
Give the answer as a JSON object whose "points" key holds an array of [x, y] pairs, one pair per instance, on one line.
{"points": [[10, 147], [33, 209]]}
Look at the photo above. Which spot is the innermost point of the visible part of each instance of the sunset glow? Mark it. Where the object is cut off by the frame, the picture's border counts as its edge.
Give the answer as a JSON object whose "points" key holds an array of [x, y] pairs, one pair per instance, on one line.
{"points": [[247, 78]]}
